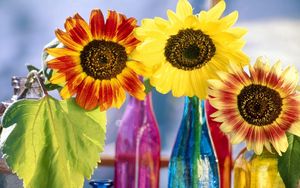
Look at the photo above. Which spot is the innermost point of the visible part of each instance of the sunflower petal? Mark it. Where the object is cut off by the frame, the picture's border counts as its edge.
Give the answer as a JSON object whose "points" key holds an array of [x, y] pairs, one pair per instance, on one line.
{"points": [[59, 52], [131, 83], [119, 93], [71, 87], [184, 9], [111, 25], [139, 68], [83, 30], [106, 95], [97, 25], [230, 19], [93, 96], [58, 78], [67, 40], [290, 82], [295, 129], [75, 32], [63, 62], [84, 92], [173, 17], [216, 12], [125, 28]]}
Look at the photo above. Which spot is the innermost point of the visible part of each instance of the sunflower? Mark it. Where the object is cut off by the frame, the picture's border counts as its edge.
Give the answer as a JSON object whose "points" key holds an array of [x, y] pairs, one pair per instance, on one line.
{"points": [[95, 62], [186, 50], [258, 108]]}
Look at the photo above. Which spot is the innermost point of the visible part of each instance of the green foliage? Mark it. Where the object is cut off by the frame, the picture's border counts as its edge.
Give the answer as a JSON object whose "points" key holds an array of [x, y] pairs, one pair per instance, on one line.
{"points": [[32, 68], [55, 143], [288, 163], [51, 87], [148, 86]]}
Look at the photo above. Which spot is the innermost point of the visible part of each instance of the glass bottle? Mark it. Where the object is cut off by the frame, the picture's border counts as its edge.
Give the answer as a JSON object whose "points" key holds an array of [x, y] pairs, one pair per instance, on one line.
{"points": [[21, 89], [101, 183], [193, 162], [257, 171], [137, 162], [222, 147]]}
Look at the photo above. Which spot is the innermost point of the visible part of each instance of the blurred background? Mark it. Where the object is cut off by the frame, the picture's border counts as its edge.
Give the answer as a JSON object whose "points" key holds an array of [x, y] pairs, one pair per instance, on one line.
{"points": [[28, 25]]}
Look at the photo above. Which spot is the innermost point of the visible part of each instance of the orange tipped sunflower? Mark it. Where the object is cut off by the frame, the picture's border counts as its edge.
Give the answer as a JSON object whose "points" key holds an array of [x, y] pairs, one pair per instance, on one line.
{"points": [[95, 61], [258, 108]]}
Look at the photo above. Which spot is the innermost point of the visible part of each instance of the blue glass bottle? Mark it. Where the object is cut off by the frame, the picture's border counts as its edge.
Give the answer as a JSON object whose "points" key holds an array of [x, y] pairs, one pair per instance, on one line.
{"points": [[193, 162], [101, 183]]}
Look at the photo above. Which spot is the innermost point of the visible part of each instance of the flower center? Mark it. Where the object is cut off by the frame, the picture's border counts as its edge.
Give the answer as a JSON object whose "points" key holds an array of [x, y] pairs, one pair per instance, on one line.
{"points": [[259, 105], [189, 49], [102, 59]]}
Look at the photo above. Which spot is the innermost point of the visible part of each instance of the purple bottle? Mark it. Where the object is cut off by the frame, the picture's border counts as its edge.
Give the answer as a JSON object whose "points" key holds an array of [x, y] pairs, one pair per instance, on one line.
{"points": [[138, 147]]}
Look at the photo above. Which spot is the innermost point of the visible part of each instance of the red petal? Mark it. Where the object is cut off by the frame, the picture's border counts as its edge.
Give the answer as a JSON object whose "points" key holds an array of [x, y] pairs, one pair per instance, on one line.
{"points": [[71, 71], [105, 95], [84, 90], [126, 28], [67, 40], [63, 62], [93, 96], [77, 16], [131, 83], [77, 35], [97, 24], [111, 24]]}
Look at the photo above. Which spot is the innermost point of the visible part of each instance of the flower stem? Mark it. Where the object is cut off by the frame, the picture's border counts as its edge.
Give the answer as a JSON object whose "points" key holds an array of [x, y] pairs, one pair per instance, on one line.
{"points": [[41, 83]]}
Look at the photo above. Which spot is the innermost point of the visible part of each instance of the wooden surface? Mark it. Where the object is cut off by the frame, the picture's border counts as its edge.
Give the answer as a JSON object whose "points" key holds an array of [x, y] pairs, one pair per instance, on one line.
{"points": [[107, 160]]}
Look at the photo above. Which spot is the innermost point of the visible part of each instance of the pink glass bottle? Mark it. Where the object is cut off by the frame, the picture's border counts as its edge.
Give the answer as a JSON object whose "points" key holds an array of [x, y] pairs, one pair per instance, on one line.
{"points": [[138, 147]]}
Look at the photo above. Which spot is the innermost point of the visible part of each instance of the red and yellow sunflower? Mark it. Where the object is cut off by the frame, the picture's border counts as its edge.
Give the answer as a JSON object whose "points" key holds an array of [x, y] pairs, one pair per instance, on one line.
{"points": [[258, 108], [95, 62]]}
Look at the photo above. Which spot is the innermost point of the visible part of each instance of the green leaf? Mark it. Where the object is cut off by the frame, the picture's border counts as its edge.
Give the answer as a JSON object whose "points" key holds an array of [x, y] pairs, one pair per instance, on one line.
{"points": [[148, 86], [32, 68], [55, 143], [51, 87], [288, 163], [48, 73]]}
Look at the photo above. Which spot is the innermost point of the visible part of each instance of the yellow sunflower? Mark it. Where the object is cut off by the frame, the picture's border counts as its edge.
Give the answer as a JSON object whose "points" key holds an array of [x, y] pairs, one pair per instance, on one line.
{"points": [[95, 61], [258, 108], [186, 50]]}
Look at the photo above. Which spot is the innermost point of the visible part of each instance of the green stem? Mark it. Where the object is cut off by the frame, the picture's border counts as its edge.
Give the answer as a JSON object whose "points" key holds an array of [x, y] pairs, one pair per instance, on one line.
{"points": [[197, 106], [41, 83]]}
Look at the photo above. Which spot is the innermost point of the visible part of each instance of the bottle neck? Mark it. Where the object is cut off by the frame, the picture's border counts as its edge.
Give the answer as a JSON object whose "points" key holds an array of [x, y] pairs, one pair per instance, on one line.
{"points": [[146, 103], [195, 116], [194, 107]]}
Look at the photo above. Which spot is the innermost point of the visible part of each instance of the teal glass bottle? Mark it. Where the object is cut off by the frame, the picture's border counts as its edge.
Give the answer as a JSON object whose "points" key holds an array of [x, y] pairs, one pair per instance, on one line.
{"points": [[193, 161]]}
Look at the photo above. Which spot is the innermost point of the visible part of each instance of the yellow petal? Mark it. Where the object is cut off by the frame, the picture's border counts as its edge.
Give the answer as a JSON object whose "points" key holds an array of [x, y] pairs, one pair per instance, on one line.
{"points": [[163, 78], [200, 78], [237, 31], [59, 52], [230, 19], [295, 129], [290, 76], [258, 147], [192, 22], [139, 68], [184, 9], [280, 145], [173, 17], [151, 45], [176, 90], [58, 78], [216, 12]]}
